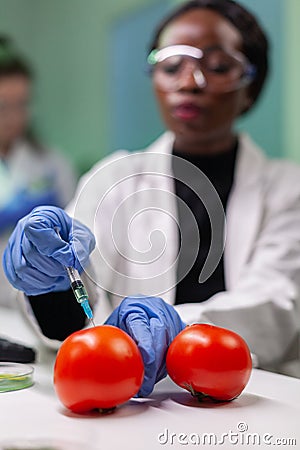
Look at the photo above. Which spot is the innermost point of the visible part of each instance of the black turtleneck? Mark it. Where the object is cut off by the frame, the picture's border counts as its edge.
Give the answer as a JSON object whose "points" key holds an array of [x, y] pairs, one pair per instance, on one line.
{"points": [[219, 169]]}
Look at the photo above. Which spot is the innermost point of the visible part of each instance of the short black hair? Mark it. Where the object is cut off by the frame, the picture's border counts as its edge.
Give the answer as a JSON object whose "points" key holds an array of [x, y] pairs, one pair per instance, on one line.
{"points": [[11, 62], [255, 41]]}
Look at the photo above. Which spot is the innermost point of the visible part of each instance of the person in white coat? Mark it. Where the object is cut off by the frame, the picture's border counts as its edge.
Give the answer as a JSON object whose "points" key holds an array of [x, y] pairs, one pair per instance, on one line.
{"points": [[201, 218], [30, 175]]}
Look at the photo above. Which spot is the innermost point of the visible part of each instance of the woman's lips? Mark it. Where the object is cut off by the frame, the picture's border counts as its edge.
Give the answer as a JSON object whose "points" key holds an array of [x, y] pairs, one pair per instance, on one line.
{"points": [[187, 111]]}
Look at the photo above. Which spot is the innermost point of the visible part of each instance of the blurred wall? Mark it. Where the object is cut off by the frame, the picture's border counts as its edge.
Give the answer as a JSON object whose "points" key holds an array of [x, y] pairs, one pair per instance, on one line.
{"points": [[291, 93], [264, 122], [92, 95], [135, 119], [68, 42]]}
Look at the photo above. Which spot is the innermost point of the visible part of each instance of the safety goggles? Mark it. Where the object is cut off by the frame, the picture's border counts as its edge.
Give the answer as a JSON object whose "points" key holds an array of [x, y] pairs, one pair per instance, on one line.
{"points": [[215, 69]]}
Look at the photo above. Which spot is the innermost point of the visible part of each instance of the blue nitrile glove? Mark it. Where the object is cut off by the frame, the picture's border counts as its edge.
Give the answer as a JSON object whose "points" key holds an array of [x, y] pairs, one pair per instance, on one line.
{"points": [[153, 324], [34, 255]]}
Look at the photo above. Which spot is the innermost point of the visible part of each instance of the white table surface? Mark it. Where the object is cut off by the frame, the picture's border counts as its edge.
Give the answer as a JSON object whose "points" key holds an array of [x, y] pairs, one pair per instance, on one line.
{"points": [[269, 408]]}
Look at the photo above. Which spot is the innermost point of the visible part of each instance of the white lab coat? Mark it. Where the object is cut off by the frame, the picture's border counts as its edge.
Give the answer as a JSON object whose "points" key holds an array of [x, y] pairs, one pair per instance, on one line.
{"points": [[25, 168], [135, 193]]}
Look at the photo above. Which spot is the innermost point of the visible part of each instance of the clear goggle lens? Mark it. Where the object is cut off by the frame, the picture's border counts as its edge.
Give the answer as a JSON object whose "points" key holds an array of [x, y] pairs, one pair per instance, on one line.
{"points": [[215, 69]]}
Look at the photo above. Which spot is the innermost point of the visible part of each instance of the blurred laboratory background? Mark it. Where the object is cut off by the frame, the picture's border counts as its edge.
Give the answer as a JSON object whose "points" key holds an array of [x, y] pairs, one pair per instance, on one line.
{"points": [[92, 95]]}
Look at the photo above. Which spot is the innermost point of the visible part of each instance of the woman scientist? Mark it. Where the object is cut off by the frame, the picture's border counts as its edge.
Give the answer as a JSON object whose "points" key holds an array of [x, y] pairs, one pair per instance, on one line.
{"points": [[158, 215], [29, 175]]}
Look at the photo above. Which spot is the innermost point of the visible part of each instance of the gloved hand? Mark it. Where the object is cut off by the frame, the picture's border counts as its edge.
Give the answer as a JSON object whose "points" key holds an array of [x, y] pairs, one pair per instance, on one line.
{"points": [[153, 324], [35, 255]]}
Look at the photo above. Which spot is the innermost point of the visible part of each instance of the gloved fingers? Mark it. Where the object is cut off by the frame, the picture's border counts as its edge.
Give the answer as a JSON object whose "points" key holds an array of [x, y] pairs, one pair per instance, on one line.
{"points": [[153, 324], [160, 332], [45, 264], [140, 331], [8, 268], [176, 324], [138, 328], [148, 383], [149, 306], [74, 246], [82, 242], [123, 317], [13, 260], [37, 283], [30, 280], [50, 217], [131, 318], [22, 275], [113, 318], [165, 332], [48, 243], [35, 255]]}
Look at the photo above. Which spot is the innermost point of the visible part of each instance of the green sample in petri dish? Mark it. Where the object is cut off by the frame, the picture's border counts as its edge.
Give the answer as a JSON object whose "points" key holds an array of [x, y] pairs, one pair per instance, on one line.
{"points": [[14, 376]]}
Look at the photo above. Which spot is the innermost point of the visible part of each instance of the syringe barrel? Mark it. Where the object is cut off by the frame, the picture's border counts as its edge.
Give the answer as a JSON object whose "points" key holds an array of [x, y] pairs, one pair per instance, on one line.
{"points": [[79, 291], [73, 274]]}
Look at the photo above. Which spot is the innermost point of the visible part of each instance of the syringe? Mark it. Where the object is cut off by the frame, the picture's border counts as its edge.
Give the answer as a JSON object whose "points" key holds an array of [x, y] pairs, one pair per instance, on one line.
{"points": [[78, 288]]}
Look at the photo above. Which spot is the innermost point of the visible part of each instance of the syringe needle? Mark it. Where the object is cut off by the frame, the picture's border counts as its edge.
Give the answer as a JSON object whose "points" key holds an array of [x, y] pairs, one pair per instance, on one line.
{"points": [[78, 288]]}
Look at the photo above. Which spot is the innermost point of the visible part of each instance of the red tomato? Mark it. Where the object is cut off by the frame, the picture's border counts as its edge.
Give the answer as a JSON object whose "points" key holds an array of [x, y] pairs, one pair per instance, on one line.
{"points": [[210, 362], [97, 368]]}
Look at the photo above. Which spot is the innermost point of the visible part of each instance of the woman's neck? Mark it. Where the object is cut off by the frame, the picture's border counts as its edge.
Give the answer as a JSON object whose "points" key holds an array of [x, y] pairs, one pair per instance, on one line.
{"points": [[205, 146]]}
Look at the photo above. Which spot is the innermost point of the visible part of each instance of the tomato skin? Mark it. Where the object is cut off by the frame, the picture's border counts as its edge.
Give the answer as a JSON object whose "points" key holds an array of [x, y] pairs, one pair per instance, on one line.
{"points": [[209, 361], [97, 368]]}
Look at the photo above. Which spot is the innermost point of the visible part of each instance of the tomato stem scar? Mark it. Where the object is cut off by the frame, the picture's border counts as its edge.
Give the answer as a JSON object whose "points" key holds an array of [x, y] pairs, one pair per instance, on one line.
{"points": [[107, 410]]}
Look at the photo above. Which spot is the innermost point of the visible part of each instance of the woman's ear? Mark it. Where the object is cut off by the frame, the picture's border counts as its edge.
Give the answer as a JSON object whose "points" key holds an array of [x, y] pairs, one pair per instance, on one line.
{"points": [[248, 102]]}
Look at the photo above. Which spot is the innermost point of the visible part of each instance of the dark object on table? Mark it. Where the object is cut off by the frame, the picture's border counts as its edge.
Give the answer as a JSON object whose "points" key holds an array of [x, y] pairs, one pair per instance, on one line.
{"points": [[13, 352]]}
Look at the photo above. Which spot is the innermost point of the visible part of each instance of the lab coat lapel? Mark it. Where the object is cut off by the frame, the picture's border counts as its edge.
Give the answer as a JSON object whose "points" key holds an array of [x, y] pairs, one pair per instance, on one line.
{"points": [[162, 163], [244, 209]]}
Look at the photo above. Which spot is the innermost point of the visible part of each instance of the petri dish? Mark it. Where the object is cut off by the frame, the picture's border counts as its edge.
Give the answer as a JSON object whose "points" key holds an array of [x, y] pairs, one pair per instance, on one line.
{"points": [[14, 376]]}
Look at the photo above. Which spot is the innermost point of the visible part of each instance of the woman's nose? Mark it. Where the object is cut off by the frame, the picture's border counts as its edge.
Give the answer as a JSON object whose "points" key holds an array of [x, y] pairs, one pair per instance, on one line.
{"points": [[192, 78], [199, 78]]}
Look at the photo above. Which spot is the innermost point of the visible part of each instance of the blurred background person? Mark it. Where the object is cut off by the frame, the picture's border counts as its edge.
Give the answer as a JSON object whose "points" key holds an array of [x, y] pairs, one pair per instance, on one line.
{"points": [[30, 175]]}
